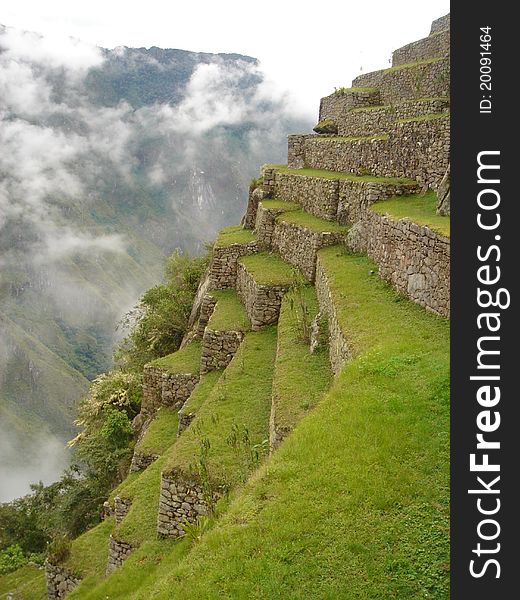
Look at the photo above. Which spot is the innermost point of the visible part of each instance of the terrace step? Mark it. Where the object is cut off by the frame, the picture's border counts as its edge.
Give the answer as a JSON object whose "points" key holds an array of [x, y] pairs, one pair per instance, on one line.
{"points": [[197, 398], [378, 120], [298, 359], [266, 214], [337, 105], [426, 78], [299, 235], [440, 24], [233, 418], [262, 281], [332, 195], [436, 45], [232, 243], [169, 381], [224, 332]]}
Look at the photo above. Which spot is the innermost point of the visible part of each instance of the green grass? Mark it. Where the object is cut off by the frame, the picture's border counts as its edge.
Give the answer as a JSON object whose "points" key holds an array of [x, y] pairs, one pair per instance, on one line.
{"points": [[300, 217], [295, 364], [88, 556], [413, 65], [358, 90], [161, 433], [268, 269], [229, 313], [186, 360], [280, 205], [235, 234], [242, 398], [138, 570], [338, 175], [358, 109], [140, 523], [419, 208], [428, 117], [355, 503], [27, 583], [350, 139], [201, 392]]}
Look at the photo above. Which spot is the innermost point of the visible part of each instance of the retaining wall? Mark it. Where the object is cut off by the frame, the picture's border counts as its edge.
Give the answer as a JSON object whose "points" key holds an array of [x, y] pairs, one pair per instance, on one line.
{"points": [[118, 552], [60, 581], [161, 388], [218, 348], [223, 269]]}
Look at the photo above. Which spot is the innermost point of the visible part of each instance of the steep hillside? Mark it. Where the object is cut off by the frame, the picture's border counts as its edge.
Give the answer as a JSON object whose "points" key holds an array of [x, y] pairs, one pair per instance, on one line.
{"points": [[110, 161], [297, 444]]}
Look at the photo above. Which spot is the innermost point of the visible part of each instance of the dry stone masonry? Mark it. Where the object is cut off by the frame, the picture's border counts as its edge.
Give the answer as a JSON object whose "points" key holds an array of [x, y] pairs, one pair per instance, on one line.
{"points": [[218, 348], [161, 388], [118, 552], [339, 349], [262, 301], [414, 259], [121, 508], [182, 499], [223, 273], [60, 581], [299, 245]]}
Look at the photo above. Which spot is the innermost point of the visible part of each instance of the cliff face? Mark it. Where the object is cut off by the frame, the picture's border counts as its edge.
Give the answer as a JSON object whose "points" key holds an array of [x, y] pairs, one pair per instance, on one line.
{"points": [[316, 373]]}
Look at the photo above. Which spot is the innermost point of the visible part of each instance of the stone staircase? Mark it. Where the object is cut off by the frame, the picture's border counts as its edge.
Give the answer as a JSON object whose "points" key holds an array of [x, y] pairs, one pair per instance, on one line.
{"points": [[388, 137]]}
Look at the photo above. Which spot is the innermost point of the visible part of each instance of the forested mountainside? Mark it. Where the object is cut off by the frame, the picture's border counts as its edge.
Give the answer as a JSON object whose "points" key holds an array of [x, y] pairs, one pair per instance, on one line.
{"points": [[110, 160]]}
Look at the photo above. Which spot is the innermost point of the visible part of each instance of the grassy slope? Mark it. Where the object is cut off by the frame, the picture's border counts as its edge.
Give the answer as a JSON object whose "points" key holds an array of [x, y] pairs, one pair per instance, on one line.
{"points": [[341, 176], [185, 360], [420, 208], [235, 234], [161, 433], [268, 269], [201, 392], [355, 503], [229, 313], [27, 583], [305, 219], [295, 364], [242, 398]]}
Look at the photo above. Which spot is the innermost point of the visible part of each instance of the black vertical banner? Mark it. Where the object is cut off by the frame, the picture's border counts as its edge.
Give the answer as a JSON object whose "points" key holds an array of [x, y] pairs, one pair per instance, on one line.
{"points": [[485, 434]]}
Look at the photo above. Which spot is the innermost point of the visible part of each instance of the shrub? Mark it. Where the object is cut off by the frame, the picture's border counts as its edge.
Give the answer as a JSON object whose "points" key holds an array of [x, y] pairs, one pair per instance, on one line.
{"points": [[11, 558]]}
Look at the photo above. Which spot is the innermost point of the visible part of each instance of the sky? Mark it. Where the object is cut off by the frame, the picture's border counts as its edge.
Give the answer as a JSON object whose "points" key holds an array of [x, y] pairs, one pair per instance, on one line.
{"points": [[309, 48]]}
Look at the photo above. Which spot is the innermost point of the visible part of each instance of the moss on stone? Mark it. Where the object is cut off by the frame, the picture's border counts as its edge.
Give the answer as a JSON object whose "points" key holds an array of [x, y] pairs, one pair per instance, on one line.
{"points": [[268, 269], [418, 208], [186, 360], [235, 234], [305, 219], [229, 313]]}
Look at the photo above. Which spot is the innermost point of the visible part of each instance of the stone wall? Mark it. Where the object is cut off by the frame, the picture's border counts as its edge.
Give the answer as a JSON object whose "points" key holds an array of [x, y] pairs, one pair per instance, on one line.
{"points": [[417, 149], [218, 348], [255, 197], [264, 226], [298, 245], [433, 46], [316, 195], [339, 350], [121, 508], [356, 196], [207, 306], [425, 80], [60, 581], [184, 421], [262, 302], [182, 499], [337, 105], [118, 552], [141, 461], [161, 388], [414, 259], [381, 120], [223, 269], [440, 24]]}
